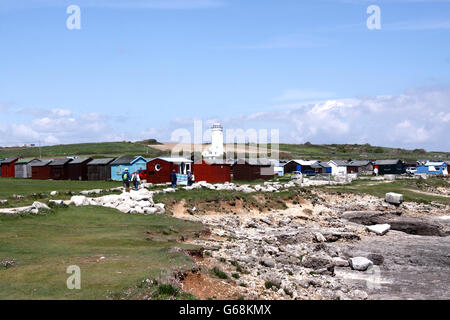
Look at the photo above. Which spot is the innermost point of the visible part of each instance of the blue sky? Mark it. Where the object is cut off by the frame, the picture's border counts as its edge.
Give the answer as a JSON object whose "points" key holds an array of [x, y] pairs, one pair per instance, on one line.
{"points": [[142, 68]]}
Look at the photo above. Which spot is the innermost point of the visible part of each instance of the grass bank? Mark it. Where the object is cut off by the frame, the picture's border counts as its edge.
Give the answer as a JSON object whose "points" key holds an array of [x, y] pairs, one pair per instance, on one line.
{"points": [[133, 248]]}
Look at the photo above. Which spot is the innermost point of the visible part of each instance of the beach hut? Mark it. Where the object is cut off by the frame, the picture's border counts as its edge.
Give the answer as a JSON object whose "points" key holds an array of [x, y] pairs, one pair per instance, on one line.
{"points": [[133, 163], [8, 167], [338, 167], [77, 169], [321, 167], [394, 166], [253, 170], [159, 169], [99, 169], [437, 168], [303, 166], [212, 171], [59, 169], [41, 170], [359, 166], [23, 167]]}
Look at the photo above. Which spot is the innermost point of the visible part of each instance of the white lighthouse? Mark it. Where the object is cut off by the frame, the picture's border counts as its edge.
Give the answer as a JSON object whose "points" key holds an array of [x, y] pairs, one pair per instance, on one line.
{"points": [[216, 149]]}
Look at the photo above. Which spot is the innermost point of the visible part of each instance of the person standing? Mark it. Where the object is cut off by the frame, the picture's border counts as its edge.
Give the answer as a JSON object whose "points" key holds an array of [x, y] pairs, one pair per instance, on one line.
{"points": [[136, 180], [173, 178], [190, 178], [126, 180]]}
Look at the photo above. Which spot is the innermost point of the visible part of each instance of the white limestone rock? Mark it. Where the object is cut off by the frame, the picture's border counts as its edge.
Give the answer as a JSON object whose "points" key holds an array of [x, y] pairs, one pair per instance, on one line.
{"points": [[40, 206], [394, 198], [79, 201], [360, 263], [379, 229]]}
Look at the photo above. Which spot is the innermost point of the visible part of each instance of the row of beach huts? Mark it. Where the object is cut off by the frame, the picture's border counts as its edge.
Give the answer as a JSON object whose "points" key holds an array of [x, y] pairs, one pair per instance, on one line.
{"points": [[157, 170]]}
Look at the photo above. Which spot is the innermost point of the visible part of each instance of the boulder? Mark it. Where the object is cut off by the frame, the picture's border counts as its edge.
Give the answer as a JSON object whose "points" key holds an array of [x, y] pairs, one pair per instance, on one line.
{"points": [[339, 262], [360, 263], [79, 201], [123, 208], [318, 237], [394, 198], [318, 261], [160, 208], [150, 210], [40, 206], [267, 262], [56, 202], [379, 229]]}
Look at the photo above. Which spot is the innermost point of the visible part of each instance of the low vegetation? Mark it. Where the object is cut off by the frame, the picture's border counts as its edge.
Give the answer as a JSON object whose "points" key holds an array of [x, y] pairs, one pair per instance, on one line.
{"points": [[22, 192], [356, 151], [112, 249], [98, 150], [412, 190], [204, 200]]}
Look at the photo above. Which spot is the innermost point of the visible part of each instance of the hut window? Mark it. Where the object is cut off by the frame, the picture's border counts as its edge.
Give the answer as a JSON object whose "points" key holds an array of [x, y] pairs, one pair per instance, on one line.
{"points": [[157, 167]]}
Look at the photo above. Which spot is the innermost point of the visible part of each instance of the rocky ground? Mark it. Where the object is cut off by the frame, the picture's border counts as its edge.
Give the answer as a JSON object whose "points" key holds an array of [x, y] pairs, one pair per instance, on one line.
{"points": [[307, 251], [324, 245]]}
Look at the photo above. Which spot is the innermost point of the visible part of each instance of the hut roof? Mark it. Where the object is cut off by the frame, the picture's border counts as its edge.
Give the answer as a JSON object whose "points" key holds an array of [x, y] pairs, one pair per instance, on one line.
{"points": [[79, 160], [126, 160], [26, 160], [358, 163], [101, 162], [387, 162], [340, 163], [60, 162], [9, 160], [174, 159], [324, 164], [216, 161], [43, 163], [255, 162]]}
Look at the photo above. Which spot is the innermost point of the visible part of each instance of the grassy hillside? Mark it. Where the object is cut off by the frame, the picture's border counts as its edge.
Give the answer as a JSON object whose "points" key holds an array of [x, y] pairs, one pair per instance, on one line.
{"points": [[287, 151], [103, 149], [356, 151]]}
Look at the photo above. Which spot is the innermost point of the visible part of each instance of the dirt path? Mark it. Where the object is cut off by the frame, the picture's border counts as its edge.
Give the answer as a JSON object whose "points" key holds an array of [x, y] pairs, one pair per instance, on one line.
{"points": [[429, 193]]}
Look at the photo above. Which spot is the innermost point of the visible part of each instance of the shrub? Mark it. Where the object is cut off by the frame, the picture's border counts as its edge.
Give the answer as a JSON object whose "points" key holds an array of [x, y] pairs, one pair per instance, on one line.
{"points": [[270, 285], [167, 289], [219, 273]]}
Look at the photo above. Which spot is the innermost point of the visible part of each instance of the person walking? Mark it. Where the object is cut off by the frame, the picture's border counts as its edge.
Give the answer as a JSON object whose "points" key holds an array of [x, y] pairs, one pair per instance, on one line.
{"points": [[126, 180], [173, 178], [136, 180]]}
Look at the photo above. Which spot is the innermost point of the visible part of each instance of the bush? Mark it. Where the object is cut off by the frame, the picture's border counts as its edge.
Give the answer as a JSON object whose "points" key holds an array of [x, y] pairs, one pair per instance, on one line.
{"points": [[167, 289], [270, 285], [219, 273]]}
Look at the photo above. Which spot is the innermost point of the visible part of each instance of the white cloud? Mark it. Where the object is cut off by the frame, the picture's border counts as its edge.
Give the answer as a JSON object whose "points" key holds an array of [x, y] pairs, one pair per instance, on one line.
{"points": [[418, 118], [59, 126]]}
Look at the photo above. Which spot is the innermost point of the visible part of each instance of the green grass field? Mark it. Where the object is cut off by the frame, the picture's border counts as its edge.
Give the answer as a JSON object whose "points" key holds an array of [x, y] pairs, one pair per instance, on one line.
{"points": [[39, 190], [44, 246], [409, 188], [10, 186]]}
